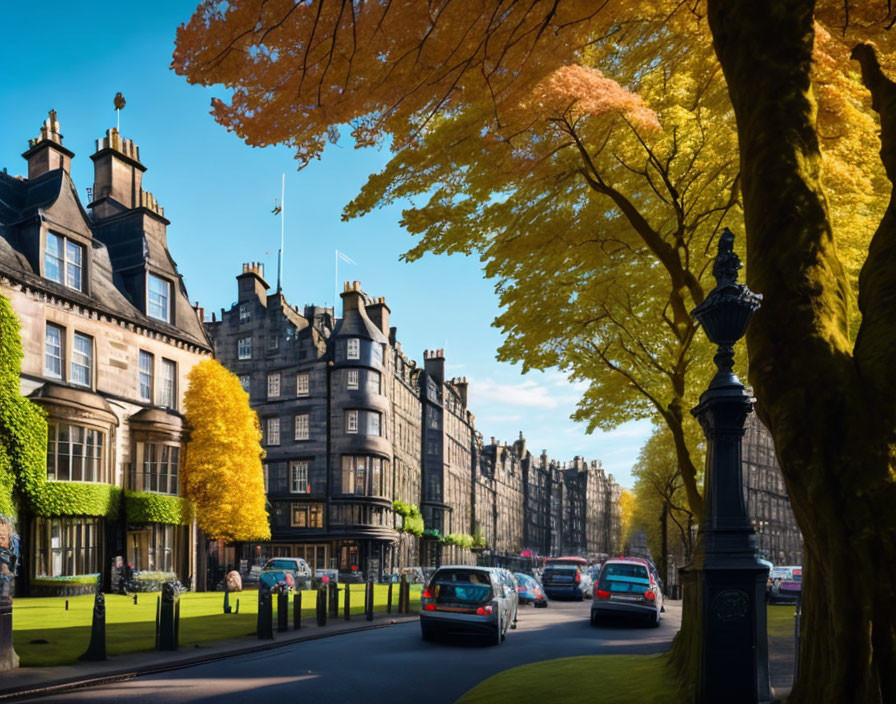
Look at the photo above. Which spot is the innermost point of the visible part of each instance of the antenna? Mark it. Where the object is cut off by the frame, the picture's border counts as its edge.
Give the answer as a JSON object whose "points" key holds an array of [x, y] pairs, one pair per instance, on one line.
{"points": [[282, 230]]}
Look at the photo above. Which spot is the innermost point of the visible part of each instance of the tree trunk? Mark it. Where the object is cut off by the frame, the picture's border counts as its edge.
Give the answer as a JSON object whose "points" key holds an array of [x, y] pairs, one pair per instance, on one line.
{"points": [[818, 396], [664, 542]]}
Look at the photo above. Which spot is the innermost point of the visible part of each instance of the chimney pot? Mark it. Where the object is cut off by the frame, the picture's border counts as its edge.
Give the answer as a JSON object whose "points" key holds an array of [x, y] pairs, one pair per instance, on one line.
{"points": [[356, 285]]}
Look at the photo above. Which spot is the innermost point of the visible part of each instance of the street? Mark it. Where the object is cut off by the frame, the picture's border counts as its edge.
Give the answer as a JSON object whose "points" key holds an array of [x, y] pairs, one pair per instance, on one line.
{"points": [[379, 665]]}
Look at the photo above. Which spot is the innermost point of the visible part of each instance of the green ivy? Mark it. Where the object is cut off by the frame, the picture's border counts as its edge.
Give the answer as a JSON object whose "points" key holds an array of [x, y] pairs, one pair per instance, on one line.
{"points": [[144, 507], [461, 540], [411, 518], [432, 533], [76, 499], [23, 425]]}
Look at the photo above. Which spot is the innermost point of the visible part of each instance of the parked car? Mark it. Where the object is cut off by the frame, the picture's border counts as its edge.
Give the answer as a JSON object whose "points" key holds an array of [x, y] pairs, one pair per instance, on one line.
{"points": [[563, 581], [296, 566], [466, 600], [530, 590], [787, 588], [627, 587], [511, 594]]}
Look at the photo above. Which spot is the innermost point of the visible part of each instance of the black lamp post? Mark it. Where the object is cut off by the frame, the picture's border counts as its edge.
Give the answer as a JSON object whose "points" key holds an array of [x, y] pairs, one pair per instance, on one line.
{"points": [[730, 580]]}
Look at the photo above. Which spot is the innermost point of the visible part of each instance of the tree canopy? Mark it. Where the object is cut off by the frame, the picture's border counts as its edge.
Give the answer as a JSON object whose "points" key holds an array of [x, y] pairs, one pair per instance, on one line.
{"points": [[222, 472]]}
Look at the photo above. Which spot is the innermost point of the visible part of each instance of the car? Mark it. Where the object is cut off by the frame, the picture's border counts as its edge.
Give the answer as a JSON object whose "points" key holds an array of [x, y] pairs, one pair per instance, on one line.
{"points": [[510, 593], [296, 566], [627, 588], [331, 575], [530, 591], [563, 581], [460, 599], [788, 588]]}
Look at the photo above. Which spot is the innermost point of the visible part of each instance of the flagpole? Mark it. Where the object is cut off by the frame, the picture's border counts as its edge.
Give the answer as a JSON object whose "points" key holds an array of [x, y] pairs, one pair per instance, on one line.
{"points": [[335, 282], [282, 231]]}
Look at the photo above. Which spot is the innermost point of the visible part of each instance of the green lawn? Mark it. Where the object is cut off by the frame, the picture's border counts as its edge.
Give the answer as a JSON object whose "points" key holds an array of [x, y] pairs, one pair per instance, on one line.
{"points": [[44, 633], [621, 679]]}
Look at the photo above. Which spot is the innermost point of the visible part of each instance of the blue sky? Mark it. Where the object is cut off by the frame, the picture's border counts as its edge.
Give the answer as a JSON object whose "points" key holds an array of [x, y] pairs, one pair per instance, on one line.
{"points": [[218, 194]]}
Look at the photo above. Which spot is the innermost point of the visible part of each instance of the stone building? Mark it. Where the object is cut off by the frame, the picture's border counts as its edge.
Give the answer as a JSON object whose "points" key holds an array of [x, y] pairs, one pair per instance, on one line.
{"points": [[109, 337], [778, 536]]}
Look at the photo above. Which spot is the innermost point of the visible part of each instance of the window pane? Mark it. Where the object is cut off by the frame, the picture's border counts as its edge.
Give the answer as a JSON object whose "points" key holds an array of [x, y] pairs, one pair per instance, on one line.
{"points": [[303, 428], [244, 348], [145, 376], [53, 258], [53, 351], [244, 382], [353, 348], [169, 384], [348, 475], [74, 265], [273, 431], [82, 360], [302, 384], [351, 421], [351, 378], [273, 385], [159, 299]]}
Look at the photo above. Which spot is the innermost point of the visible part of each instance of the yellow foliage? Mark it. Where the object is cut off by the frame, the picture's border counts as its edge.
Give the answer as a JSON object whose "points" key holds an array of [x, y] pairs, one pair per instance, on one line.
{"points": [[627, 503], [222, 472]]}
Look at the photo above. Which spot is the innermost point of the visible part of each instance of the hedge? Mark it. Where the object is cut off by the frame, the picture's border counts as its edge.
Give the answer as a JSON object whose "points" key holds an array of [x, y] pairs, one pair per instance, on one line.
{"points": [[76, 499], [144, 507], [23, 425], [461, 540], [432, 533], [89, 579], [412, 519]]}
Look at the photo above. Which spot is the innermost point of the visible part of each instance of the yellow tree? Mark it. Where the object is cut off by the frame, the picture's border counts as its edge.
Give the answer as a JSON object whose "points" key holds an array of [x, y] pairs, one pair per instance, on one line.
{"points": [[222, 472], [411, 71]]}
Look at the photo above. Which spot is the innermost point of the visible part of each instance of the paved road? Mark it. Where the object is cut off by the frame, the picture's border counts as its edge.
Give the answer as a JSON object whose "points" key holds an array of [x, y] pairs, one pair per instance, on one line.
{"points": [[376, 666]]}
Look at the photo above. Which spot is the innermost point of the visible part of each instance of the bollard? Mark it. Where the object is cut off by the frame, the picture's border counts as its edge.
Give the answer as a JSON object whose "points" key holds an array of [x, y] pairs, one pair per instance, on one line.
{"points": [[297, 610], [389, 600], [158, 611], [135, 599], [283, 611], [227, 608], [796, 636], [322, 605], [166, 635], [96, 650], [177, 622], [348, 605], [334, 600], [66, 604], [237, 606], [368, 599], [265, 624]]}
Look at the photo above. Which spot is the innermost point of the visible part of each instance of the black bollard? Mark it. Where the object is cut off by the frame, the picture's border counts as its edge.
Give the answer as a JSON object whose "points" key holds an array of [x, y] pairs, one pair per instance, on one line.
{"points": [[368, 599], [322, 606], [96, 650], [389, 600], [158, 611], [334, 600], [135, 599], [237, 606], [265, 623], [348, 604], [66, 604], [166, 637], [227, 608], [402, 593], [283, 611], [297, 610]]}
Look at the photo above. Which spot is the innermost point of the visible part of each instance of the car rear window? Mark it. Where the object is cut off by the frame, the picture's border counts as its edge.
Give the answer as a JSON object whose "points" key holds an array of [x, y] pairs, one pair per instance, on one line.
{"points": [[624, 578], [560, 572], [461, 587], [280, 565]]}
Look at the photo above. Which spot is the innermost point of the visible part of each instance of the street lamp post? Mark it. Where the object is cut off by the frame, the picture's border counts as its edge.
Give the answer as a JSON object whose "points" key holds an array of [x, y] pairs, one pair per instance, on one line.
{"points": [[730, 581]]}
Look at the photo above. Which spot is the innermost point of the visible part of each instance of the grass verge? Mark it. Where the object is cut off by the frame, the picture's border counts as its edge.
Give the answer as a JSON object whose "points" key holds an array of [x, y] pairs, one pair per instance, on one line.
{"points": [[621, 679], [45, 633]]}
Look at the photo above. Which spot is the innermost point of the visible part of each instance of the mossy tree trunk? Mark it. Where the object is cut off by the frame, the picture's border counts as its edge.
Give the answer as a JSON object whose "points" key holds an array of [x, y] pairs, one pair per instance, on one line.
{"points": [[829, 404]]}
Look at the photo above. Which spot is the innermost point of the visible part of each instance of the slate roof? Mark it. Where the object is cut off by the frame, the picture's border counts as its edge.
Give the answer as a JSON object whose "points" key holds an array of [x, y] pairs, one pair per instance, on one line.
{"points": [[52, 197]]}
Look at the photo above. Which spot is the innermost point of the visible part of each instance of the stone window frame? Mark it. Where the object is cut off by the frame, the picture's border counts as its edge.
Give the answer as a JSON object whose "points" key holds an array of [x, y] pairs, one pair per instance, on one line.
{"points": [[81, 359], [299, 477], [67, 247], [245, 313], [245, 381], [58, 358], [165, 302], [168, 384], [303, 384], [351, 422], [352, 380], [244, 348], [272, 431], [353, 348], [143, 374], [313, 515], [302, 428], [273, 384]]}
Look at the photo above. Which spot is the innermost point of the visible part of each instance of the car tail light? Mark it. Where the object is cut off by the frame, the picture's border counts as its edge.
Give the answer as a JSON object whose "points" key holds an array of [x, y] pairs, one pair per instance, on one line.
{"points": [[485, 610], [601, 594], [649, 595], [578, 578], [429, 607], [427, 594]]}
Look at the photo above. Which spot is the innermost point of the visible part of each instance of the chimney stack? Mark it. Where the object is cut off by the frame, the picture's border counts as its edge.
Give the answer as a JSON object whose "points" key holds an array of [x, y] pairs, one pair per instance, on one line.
{"points": [[434, 364], [352, 297], [118, 176], [379, 315], [461, 385], [251, 285], [46, 153]]}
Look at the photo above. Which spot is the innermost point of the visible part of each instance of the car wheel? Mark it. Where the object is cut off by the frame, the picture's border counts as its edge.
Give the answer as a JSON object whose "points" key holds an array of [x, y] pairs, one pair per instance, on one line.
{"points": [[581, 597], [656, 620], [499, 634]]}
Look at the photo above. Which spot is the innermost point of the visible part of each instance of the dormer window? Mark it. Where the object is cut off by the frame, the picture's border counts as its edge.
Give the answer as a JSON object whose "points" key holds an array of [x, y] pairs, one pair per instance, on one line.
{"points": [[159, 299], [353, 348], [64, 261]]}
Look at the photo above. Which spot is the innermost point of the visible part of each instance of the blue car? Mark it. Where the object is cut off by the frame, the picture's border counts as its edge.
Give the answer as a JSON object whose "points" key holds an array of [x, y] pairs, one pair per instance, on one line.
{"points": [[563, 582]]}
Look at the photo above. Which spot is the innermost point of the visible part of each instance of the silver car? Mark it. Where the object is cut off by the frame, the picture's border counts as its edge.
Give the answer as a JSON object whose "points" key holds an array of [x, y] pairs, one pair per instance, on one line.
{"points": [[511, 593], [460, 599]]}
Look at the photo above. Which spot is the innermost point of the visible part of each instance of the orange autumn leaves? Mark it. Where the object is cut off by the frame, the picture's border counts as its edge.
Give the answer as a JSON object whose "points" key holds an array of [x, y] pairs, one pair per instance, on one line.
{"points": [[222, 472]]}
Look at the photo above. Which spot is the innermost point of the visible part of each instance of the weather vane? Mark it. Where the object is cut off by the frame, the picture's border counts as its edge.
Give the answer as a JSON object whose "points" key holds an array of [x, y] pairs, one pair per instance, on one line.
{"points": [[119, 103]]}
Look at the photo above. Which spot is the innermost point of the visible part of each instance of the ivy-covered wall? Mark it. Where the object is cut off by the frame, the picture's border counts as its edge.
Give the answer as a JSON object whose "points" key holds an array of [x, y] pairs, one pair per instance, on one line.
{"points": [[23, 425], [145, 507], [75, 499], [411, 518]]}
